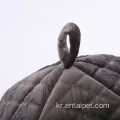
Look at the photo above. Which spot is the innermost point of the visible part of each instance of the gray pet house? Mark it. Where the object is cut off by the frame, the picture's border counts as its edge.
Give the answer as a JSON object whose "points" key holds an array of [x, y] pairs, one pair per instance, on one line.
{"points": [[75, 88]]}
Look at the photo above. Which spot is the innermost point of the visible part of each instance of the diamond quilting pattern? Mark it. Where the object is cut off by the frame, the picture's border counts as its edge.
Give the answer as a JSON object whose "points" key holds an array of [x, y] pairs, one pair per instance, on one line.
{"points": [[92, 79], [101, 113]]}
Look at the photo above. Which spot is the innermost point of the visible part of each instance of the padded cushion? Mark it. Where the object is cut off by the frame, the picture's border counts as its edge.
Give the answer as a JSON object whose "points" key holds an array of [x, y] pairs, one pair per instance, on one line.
{"points": [[93, 79]]}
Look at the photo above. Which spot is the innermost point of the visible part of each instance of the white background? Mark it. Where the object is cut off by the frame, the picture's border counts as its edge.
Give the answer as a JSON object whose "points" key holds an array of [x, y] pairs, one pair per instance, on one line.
{"points": [[29, 30]]}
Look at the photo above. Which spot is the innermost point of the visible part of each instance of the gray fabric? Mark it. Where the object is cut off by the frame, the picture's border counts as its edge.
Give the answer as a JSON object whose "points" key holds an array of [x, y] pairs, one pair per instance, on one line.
{"points": [[91, 79], [68, 56]]}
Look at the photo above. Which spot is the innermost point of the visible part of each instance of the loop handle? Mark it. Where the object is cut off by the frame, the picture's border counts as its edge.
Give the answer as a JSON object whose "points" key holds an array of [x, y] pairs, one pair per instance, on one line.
{"points": [[66, 56]]}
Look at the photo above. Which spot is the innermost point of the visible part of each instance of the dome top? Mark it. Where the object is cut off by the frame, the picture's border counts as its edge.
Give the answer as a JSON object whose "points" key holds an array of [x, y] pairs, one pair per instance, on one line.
{"points": [[57, 91]]}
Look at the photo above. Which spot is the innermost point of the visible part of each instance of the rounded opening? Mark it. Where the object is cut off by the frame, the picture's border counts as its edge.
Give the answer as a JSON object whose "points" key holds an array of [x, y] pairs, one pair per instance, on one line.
{"points": [[68, 42]]}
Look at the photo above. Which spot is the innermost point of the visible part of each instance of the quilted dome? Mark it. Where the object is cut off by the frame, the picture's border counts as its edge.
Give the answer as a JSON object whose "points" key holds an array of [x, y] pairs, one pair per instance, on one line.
{"points": [[89, 79]]}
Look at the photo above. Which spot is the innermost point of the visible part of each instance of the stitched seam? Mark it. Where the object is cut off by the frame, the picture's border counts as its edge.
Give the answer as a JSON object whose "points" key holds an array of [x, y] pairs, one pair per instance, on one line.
{"points": [[113, 71], [95, 94], [110, 116], [63, 95], [109, 63], [3, 111], [98, 69], [95, 64], [91, 98], [79, 78], [38, 105], [26, 111], [27, 94], [85, 58], [95, 72], [77, 112], [59, 99], [90, 102], [104, 66], [30, 103], [19, 104], [79, 88], [50, 87], [53, 87], [116, 82], [89, 116], [19, 111], [23, 101], [45, 87], [113, 88]]}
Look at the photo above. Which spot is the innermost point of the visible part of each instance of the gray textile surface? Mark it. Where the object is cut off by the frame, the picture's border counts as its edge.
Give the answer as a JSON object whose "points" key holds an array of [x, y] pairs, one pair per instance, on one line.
{"points": [[91, 79]]}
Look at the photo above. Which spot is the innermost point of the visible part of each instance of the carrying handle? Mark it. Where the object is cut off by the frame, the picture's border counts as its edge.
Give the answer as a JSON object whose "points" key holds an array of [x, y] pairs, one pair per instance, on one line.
{"points": [[66, 56]]}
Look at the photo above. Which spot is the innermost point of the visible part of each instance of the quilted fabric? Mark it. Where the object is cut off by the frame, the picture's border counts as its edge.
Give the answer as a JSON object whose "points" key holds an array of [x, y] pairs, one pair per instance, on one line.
{"points": [[91, 79], [59, 91]]}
